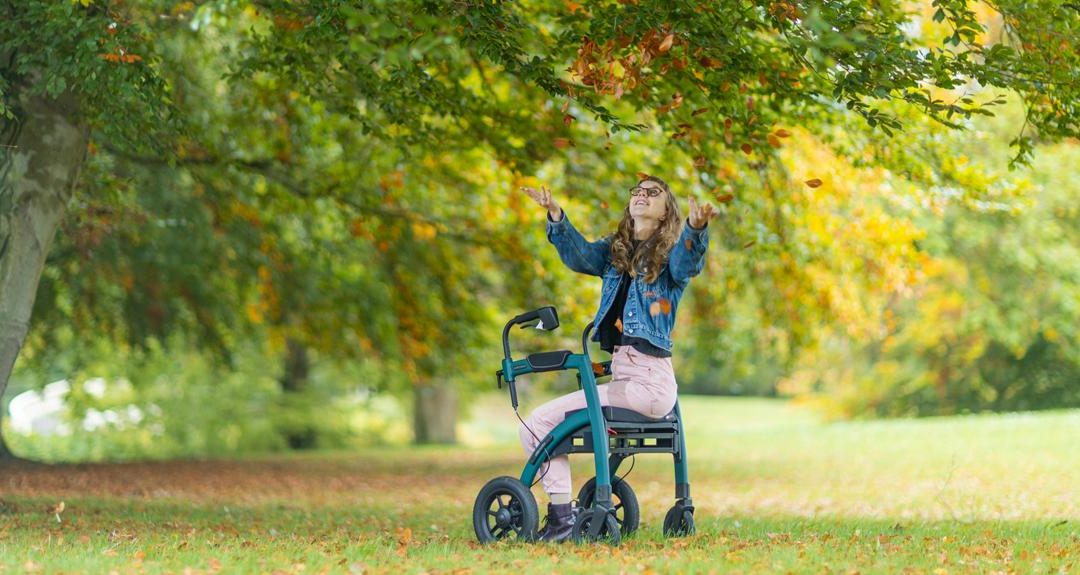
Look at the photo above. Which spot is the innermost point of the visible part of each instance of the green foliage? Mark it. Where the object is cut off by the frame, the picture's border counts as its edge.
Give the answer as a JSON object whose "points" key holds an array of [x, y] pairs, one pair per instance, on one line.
{"points": [[988, 323], [103, 54], [193, 406], [346, 177]]}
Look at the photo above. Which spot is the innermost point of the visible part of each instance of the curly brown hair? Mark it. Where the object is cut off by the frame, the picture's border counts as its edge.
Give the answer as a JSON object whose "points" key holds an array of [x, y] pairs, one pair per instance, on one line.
{"points": [[651, 255]]}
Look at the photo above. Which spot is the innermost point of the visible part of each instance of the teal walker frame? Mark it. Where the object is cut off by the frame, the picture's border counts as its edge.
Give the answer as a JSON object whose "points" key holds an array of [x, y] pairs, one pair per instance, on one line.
{"points": [[607, 506]]}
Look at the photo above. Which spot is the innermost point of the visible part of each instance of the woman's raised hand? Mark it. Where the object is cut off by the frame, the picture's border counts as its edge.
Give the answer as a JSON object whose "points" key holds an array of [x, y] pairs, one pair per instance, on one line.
{"points": [[545, 200], [701, 214]]}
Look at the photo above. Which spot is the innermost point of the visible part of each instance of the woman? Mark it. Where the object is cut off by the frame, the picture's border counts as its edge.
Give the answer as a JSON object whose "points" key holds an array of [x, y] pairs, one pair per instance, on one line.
{"points": [[645, 265]]}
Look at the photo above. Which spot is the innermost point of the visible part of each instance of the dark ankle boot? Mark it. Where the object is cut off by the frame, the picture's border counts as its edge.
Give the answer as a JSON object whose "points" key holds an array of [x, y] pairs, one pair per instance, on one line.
{"points": [[558, 524]]}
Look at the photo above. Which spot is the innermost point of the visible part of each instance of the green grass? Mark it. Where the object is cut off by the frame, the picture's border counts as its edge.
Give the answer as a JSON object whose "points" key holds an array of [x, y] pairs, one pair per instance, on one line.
{"points": [[775, 490]]}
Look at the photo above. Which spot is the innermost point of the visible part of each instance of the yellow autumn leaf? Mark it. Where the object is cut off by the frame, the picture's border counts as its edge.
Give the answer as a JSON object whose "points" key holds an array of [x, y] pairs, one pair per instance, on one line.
{"points": [[617, 69]]}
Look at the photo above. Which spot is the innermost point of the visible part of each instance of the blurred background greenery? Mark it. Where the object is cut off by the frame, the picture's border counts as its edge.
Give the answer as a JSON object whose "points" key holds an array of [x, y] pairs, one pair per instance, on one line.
{"points": [[321, 247]]}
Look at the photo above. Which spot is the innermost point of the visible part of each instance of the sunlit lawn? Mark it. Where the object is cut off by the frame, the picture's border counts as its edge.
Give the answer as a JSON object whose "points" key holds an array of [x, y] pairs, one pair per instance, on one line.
{"points": [[776, 491]]}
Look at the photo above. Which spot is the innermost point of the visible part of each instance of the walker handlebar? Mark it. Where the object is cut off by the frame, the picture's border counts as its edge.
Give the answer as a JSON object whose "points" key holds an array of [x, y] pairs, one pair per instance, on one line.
{"points": [[548, 320]]}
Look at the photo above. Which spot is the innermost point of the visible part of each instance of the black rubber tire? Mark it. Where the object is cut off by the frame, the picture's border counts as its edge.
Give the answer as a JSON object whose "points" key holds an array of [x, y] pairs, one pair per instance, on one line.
{"points": [[505, 508], [623, 498], [679, 521], [609, 533]]}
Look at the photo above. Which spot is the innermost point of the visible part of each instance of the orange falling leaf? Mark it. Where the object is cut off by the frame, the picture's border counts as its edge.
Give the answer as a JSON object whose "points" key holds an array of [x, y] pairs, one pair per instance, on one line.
{"points": [[774, 141], [747, 149], [814, 183], [393, 181], [783, 133], [727, 123], [725, 198], [666, 44], [699, 162], [689, 244], [562, 143], [699, 111], [660, 306], [597, 368], [618, 324], [642, 175]]}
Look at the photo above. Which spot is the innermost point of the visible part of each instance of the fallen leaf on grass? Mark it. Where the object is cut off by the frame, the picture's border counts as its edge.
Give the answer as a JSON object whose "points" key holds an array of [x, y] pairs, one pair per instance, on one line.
{"points": [[57, 510]]}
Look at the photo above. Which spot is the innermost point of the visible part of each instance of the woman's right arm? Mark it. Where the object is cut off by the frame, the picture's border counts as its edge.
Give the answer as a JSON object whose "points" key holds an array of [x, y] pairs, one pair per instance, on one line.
{"points": [[578, 254]]}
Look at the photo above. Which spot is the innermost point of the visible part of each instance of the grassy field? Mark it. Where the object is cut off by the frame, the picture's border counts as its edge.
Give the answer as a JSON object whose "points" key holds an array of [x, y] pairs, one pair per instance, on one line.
{"points": [[776, 491]]}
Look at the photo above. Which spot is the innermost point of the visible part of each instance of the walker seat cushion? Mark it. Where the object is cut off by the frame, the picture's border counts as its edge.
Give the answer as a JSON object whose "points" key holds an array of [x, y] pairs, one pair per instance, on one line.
{"points": [[623, 415]]}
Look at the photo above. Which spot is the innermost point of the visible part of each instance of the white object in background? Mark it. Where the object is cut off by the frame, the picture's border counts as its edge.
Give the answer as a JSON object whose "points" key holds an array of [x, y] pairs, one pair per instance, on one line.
{"points": [[45, 412]]}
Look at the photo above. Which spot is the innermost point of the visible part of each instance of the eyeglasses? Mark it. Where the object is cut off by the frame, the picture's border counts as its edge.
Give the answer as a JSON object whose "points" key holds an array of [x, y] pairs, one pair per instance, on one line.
{"points": [[652, 191]]}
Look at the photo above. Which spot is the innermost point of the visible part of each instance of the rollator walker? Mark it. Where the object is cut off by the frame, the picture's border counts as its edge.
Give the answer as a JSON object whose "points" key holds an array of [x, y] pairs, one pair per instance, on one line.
{"points": [[607, 508]]}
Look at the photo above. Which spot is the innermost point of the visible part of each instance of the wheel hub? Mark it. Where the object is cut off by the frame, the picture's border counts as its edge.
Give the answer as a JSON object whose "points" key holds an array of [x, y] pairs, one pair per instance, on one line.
{"points": [[503, 517]]}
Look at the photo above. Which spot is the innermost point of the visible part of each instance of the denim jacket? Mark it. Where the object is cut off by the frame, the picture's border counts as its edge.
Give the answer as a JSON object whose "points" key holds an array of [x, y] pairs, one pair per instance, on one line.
{"points": [[686, 259]]}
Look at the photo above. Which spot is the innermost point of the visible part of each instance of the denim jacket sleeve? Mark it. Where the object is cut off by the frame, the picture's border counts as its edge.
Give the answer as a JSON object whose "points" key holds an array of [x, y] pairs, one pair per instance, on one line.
{"points": [[687, 257], [578, 254]]}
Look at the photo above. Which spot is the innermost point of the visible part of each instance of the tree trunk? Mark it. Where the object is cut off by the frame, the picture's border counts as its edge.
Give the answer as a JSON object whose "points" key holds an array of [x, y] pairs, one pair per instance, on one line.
{"points": [[435, 413], [42, 151], [5, 452], [299, 433]]}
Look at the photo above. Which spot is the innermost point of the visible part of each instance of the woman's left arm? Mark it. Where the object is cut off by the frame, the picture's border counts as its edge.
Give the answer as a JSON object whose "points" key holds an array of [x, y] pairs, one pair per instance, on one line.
{"points": [[687, 257]]}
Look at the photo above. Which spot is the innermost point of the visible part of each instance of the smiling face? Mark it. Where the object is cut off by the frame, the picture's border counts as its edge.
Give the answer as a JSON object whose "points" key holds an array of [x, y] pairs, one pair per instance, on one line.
{"points": [[648, 200]]}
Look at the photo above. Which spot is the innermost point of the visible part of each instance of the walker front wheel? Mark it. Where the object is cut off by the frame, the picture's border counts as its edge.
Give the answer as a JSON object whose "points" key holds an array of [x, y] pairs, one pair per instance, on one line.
{"points": [[623, 501], [608, 530], [505, 509], [679, 521]]}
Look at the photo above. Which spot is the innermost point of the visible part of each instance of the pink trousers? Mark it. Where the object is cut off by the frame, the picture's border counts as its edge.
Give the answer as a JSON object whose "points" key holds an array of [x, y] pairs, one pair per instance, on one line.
{"points": [[640, 382]]}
